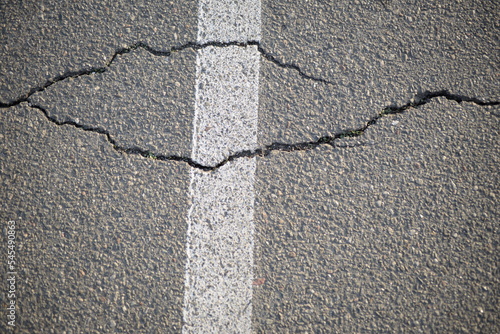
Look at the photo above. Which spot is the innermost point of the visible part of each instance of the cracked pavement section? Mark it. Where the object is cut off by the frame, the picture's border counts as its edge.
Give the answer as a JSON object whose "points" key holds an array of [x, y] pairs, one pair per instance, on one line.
{"points": [[129, 103], [376, 57], [46, 38], [98, 106], [399, 232], [127, 80], [399, 236], [101, 237]]}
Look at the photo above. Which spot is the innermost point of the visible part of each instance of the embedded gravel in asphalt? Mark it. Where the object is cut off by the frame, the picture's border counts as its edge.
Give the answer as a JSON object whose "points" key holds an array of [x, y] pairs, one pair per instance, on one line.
{"points": [[395, 229]]}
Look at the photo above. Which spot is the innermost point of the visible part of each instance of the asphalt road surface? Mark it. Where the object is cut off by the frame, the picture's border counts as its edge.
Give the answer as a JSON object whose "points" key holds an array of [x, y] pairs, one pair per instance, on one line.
{"points": [[374, 200]]}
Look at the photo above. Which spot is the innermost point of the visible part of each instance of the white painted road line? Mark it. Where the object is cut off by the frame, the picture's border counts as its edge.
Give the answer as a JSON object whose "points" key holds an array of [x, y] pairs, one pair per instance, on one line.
{"points": [[228, 20], [219, 266]]}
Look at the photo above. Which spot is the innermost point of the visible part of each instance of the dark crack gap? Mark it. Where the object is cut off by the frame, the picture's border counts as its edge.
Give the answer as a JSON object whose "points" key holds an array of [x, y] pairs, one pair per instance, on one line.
{"points": [[417, 101], [160, 53], [134, 150]]}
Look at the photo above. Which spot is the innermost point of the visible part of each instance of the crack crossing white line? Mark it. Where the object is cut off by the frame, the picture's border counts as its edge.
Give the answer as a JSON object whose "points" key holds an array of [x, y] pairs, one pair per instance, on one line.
{"points": [[219, 267]]}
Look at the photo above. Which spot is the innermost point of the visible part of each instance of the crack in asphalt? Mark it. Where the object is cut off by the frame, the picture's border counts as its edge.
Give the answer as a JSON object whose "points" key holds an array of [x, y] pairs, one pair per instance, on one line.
{"points": [[140, 45], [417, 101]]}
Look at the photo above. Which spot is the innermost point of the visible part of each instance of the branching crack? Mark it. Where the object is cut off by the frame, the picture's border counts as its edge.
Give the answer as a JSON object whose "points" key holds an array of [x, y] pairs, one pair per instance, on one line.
{"points": [[417, 101]]}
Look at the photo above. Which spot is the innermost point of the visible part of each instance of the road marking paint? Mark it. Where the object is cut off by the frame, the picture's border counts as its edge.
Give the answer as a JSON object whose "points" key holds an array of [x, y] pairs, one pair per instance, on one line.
{"points": [[219, 266], [228, 20]]}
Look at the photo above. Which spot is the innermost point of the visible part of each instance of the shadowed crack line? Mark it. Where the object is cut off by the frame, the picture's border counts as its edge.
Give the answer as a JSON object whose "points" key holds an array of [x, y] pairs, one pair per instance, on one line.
{"points": [[292, 66], [134, 150], [160, 53], [417, 101]]}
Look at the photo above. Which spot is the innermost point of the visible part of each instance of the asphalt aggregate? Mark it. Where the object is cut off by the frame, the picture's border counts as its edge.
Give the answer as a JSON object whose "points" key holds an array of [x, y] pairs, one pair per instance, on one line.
{"points": [[376, 188]]}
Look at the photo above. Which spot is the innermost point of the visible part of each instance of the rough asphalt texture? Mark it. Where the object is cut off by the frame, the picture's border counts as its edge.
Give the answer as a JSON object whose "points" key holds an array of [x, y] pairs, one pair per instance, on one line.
{"points": [[398, 232]]}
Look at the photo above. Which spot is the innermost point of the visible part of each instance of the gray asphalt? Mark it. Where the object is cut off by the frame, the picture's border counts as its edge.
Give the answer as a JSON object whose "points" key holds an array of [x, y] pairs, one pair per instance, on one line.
{"points": [[392, 230]]}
